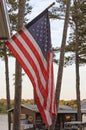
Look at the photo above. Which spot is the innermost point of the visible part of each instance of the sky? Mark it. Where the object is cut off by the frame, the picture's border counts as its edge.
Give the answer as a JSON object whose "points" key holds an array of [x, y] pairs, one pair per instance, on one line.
{"points": [[68, 88]]}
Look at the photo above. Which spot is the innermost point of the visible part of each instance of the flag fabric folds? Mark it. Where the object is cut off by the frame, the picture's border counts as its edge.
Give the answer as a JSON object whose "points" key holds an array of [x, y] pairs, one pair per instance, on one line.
{"points": [[32, 48]]}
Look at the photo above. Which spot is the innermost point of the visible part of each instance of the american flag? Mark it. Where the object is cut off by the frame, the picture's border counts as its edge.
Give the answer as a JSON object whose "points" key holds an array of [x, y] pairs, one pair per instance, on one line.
{"points": [[32, 48]]}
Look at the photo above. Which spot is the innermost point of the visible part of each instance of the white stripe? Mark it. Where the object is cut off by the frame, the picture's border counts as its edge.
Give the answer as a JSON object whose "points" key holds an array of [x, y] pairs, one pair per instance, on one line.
{"points": [[29, 51], [49, 85], [53, 99], [53, 93], [44, 61], [29, 68], [50, 90], [48, 117], [36, 46]]}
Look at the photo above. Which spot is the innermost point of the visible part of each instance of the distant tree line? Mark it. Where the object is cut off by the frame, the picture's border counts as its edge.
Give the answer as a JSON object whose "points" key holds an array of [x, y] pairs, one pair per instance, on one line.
{"points": [[3, 103]]}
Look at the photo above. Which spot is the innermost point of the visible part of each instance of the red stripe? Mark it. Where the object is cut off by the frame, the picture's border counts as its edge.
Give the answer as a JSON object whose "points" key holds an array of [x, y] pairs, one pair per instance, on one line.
{"points": [[41, 109], [48, 59], [54, 107], [30, 60], [52, 89], [30, 44], [22, 63], [45, 73]]}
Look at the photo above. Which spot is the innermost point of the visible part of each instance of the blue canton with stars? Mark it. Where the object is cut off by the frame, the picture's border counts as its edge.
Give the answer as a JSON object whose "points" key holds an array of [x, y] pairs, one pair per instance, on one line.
{"points": [[40, 31]]}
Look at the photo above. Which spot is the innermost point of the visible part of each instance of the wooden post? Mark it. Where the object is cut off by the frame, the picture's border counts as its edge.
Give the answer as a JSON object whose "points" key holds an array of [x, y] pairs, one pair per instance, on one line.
{"points": [[18, 74]]}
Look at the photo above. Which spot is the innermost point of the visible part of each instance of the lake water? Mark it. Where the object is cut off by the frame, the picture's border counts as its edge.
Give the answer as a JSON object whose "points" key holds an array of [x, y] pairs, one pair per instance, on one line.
{"points": [[4, 121]]}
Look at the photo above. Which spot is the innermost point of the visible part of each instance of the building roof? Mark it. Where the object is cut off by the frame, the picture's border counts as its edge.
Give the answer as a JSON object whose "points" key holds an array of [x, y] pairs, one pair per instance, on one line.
{"points": [[66, 109], [31, 107], [62, 109], [83, 104]]}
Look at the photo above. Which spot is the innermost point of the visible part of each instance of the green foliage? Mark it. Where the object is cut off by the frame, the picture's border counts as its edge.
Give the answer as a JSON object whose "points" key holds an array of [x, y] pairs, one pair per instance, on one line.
{"points": [[3, 103], [78, 15], [13, 13], [71, 103], [3, 106], [1, 49], [12, 6], [58, 11], [27, 101]]}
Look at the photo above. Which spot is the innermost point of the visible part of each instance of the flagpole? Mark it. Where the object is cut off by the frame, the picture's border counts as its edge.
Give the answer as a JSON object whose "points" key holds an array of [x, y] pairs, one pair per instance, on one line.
{"points": [[40, 15], [50, 5]]}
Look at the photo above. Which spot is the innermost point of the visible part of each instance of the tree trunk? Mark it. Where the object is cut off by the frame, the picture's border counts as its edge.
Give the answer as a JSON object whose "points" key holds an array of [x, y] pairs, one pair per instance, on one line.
{"points": [[18, 74], [7, 86], [79, 118], [77, 81], [61, 63]]}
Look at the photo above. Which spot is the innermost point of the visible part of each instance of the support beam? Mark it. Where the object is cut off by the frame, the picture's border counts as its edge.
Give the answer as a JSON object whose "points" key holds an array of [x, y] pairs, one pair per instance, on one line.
{"points": [[4, 21]]}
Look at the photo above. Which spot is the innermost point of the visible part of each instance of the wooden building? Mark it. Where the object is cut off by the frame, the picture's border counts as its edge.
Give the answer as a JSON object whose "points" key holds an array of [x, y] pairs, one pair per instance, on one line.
{"points": [[30, 117]]}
